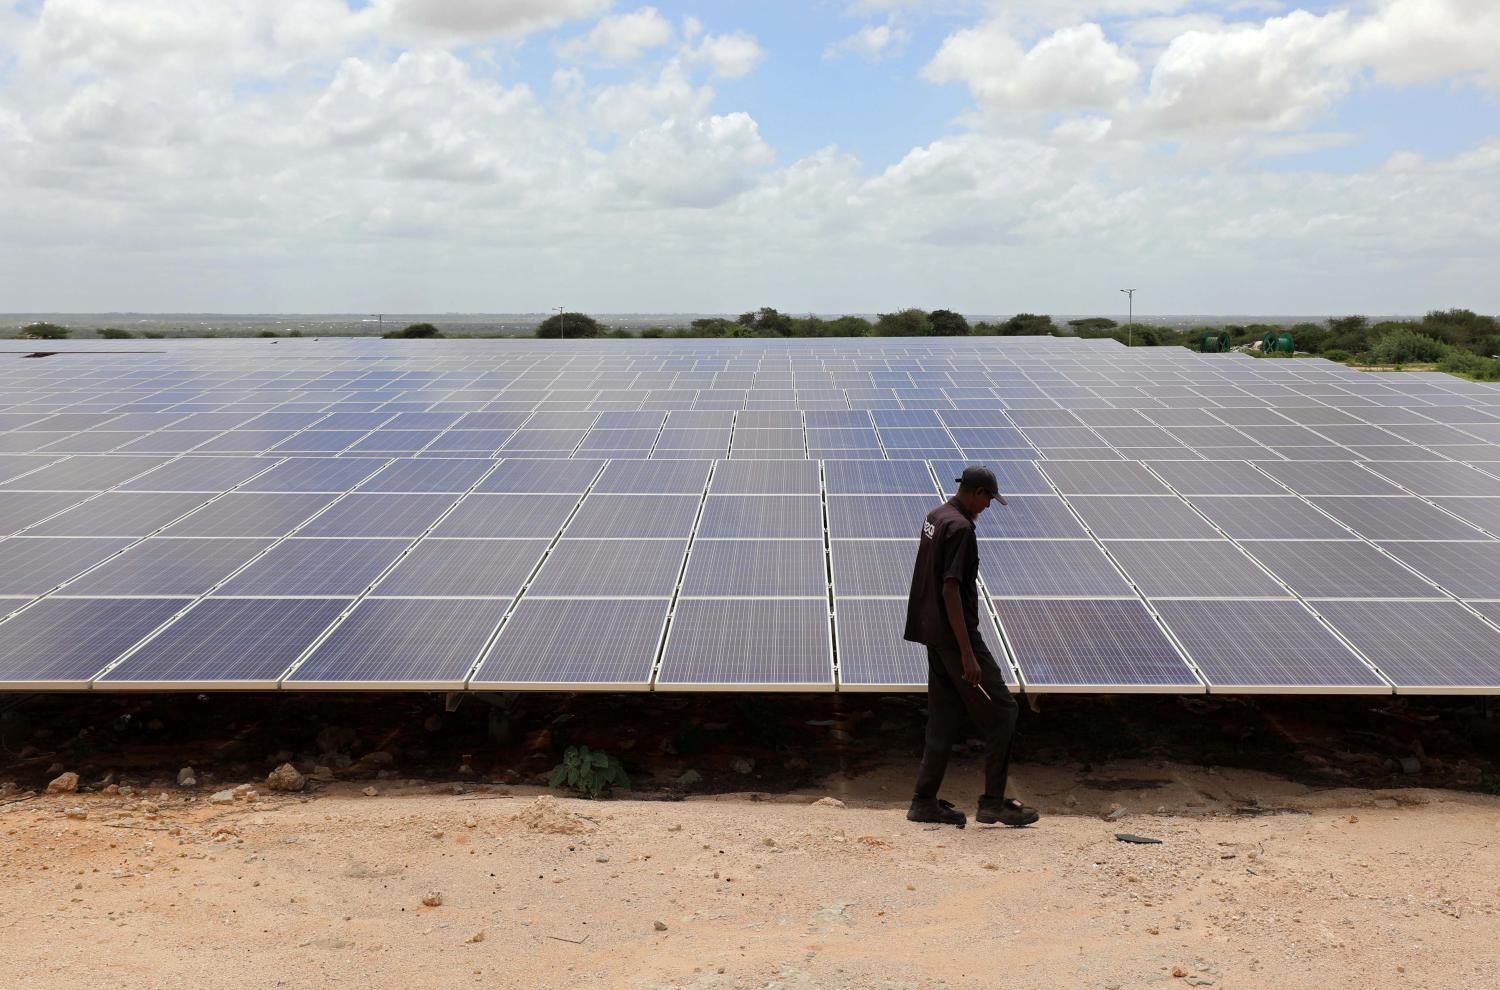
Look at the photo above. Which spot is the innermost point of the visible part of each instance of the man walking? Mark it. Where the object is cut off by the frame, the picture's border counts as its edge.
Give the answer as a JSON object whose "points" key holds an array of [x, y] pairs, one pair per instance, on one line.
{"points": [[962, 675]]}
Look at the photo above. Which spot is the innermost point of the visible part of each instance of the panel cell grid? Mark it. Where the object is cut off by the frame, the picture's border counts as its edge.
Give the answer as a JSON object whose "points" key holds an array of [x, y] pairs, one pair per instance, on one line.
{"points": [[1049, 568], [730, 517], [1265, 646], [756, 568], [583, 568], [1423, 647], [769, 644], [404, 643], [573, 644], [1092, 644], [224, 643], [164, 566], [463, 569], [1193, 569], [379, 515], [59, 644], [1327, 569], [634, 517], [299, 567]]}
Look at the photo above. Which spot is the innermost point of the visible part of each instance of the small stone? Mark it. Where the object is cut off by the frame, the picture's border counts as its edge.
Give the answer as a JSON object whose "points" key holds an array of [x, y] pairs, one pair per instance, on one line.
{"points": [[286, 778], [689, 778], [476, 937], [470, 823], [186, 777], [433, 898], [1178, 972], [828, 802], [370, 792], [222, 797], [601, 859], [437, 833], [660, 926], [1199, 981], [1410, 765], [77, 812], [1116, 812], [743, 765], [240, 790], [322, 773], [64, 783], [840, 735]]}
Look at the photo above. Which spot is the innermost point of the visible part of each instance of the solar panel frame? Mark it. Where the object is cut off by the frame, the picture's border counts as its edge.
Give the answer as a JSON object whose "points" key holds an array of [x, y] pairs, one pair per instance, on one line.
{"points": [[1461, 653], [755, 568], [224, 644], [60, 644], [561, 644], [737, 630], [610, 568], [1092, 645], [1266, 647], [401, 644]]}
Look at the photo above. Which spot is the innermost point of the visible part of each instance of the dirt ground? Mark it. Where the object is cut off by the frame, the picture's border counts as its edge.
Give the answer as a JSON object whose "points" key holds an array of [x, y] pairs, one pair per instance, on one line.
{"points": [[1338, 888], [1306, 874]]}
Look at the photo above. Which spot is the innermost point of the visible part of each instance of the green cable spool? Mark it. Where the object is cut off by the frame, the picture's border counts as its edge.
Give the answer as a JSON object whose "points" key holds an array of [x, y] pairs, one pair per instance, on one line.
{"points": [[1285, 343], [1277, 342], [1214, 341]]}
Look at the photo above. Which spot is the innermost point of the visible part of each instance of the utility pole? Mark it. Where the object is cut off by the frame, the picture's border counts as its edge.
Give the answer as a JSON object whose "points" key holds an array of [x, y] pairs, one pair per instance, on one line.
{"points": [[562, 322], [1129, 320]]}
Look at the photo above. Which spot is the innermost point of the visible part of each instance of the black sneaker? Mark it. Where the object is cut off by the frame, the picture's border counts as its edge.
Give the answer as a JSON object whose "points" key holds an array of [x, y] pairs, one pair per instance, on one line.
{"points": [[1006, 811], [935, 811]]}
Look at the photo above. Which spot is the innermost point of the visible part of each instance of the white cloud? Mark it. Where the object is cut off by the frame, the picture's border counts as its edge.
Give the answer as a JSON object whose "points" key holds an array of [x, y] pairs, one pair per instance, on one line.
{"points": [[1416, 41], [623, 38], [872, 42], [477, 20], [1267, 77], [728, 56], [1073, 67]]}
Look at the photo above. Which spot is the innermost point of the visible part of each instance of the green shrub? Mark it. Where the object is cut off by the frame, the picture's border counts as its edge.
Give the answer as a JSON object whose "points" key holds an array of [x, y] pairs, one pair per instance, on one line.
{"points": [[152, 334], [268, 333], [417, 331], [588, 772], [45, 331], [1472, 365], [110, 333], [1406, 347], [1336, 355]]}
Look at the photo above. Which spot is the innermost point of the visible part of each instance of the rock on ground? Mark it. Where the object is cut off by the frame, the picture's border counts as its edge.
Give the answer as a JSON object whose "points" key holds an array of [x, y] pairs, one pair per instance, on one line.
{"points": [[64, 783], [285, 778]]}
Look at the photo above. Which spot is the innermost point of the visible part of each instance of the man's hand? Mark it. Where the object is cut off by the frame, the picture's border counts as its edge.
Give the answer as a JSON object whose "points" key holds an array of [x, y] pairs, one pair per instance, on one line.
{"points": [[972, 673]]}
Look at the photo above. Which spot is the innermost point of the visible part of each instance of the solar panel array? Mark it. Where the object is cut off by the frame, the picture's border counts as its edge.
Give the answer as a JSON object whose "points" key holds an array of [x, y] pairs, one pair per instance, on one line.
{"points": [[736, 515]]}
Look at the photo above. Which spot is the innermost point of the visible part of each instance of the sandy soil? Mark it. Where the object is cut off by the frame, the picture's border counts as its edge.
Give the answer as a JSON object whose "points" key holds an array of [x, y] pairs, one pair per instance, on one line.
{"points": [[1326, 888]]}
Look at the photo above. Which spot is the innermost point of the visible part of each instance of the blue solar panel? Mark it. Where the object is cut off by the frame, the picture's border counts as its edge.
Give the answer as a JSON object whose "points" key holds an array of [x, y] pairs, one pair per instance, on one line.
{"points": [[570, 644], [1423, 647], [761, 517], [379, 515], [878, 516], [316, 567], [1265, 646], [684, 477], [507, 516], [60, 643], [615, 568], [34, 565], [464, 568], [258, 514], [1059, 568], [1029, 516], [227, 642], [754, 568], [877, 477], [314, 474], [406, 643], [1095, 644], [766, 643], [428, 475], [872, 653], [164, 566], [541, 476]]}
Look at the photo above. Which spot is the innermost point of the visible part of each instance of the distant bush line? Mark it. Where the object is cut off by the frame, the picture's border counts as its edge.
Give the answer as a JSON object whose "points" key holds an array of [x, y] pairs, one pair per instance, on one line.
{"points": [[1458, 341]]}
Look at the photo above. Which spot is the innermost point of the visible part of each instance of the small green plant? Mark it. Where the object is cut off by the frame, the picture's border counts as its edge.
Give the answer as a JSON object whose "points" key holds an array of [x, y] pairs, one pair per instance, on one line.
{"points": [[1408, 347], [586, 771], [1335, 355]]}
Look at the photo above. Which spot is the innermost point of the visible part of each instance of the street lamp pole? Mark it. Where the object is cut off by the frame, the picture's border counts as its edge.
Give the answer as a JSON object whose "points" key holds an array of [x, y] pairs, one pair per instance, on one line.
{"points": [[1130, 320], [562, 322]]}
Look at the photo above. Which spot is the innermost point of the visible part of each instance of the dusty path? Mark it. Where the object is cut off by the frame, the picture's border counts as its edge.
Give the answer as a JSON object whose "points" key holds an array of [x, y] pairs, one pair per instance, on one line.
{"points": [[1343, 888]]}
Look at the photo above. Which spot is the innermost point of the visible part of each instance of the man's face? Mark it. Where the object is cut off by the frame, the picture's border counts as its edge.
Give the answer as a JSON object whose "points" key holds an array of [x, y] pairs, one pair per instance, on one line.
{"points": [[979, 500]]}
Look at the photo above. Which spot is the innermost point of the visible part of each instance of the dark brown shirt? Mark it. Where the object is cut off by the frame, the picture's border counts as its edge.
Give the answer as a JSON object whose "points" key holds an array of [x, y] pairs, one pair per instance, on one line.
{"points": [[947, 549]]}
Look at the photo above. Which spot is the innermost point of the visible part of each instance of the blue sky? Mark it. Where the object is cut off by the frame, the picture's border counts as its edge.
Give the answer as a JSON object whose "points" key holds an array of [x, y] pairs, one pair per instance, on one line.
{"points": [[1234, 156]]}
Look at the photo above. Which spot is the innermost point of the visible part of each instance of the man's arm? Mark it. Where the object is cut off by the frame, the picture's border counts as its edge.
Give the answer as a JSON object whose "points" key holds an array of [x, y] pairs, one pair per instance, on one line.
{"points": [[955, 608]]}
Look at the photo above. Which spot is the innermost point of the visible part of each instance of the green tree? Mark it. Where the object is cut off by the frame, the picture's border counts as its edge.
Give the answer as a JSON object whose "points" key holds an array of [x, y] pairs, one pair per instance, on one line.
{"points": [[1406, 346], [911, 322], [1026, 323], [414, 332], [848, 326], [44, 331], [715, 326], [110, 333], [1092, 324], [947, 323], [570, 326]]}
